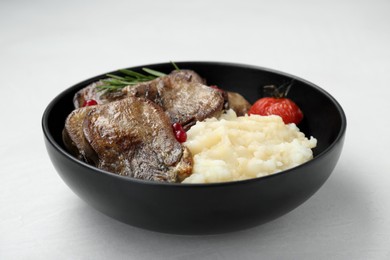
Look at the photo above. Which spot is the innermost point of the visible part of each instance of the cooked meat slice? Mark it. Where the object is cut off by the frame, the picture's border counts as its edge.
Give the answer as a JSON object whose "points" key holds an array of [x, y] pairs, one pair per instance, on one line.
{"points": [[187, 76], [181, 95], [102, 97], [238, 103], [134, 137], [74, 138], [93, 92]]}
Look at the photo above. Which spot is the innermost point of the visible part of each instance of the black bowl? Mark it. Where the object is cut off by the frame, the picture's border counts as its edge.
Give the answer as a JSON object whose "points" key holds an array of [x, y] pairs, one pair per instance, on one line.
{"points": [[206, 208]]}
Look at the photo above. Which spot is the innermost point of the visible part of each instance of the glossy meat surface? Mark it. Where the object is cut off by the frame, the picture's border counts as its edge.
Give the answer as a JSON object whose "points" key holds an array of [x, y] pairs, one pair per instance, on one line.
{"points": [[181, 94], [131, 137], [183, 97], [74, 138]]}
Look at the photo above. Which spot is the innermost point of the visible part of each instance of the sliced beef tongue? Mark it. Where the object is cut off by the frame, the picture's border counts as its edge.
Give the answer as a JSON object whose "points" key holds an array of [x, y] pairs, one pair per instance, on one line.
{"points": [[74, 139], [92, 92], [131, 137], [183, 97]]}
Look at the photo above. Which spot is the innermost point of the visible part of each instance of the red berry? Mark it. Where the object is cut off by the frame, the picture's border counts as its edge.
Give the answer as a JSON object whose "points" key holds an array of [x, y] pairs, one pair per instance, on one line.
{"points": [[180, 133], [283, 107], [216, 87], [89, 102], [177, 127], [181, 136]]}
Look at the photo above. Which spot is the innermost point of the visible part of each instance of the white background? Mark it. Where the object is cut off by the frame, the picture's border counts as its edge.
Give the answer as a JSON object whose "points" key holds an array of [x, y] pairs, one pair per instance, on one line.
{"points": [[342, 46]]}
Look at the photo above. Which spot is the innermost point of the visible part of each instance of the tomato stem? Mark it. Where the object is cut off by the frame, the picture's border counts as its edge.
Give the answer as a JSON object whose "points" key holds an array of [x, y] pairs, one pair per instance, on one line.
{"points": [[278, 92]]}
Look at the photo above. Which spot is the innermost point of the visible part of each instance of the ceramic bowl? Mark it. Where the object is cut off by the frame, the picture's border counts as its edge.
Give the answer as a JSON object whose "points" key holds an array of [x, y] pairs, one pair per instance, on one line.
{"points": [[206, 208]]}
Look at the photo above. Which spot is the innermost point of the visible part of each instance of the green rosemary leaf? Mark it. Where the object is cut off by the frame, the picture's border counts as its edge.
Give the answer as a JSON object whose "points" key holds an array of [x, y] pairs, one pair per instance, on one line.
{"points": [[115, 76], [154, 72], [113, 81], [132, 73], [129, 77], [174, 65]]}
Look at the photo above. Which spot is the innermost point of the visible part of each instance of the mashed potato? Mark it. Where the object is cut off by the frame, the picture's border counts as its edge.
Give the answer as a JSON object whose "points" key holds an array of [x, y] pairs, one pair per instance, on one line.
{"points": [[235, 148]]}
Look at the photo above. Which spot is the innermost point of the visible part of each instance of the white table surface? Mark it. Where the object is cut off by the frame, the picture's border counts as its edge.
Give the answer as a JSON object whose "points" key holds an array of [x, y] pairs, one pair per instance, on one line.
{"points": [[342, 46]]}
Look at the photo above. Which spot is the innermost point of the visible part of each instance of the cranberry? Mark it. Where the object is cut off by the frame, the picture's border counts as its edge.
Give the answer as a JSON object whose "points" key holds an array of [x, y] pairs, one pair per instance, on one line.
{"points": [[89, 102], [181, 136], [177, 127], [216, 87], [180, 133]]}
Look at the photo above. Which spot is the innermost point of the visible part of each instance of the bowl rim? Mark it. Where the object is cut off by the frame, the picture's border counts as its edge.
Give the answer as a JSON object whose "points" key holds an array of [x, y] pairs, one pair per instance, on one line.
{"points": [[51, 140]]}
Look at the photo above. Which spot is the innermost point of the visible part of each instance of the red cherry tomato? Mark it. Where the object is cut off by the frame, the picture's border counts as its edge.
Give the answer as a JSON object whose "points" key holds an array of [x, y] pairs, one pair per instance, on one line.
{"points": [[283, 107]]}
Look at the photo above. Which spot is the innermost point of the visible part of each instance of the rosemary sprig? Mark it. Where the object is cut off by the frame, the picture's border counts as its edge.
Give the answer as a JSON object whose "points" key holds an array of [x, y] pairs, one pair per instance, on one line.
{"points": [[129, 77], [278, 91], [175, 66]]}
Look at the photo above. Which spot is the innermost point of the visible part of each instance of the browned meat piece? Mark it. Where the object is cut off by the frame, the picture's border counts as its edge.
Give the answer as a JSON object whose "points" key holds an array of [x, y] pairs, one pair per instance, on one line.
{"points": [[101, 97], [238, 103], [131, 137], [181, 94], [74, 138], [186, 75], [92, 92]]}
